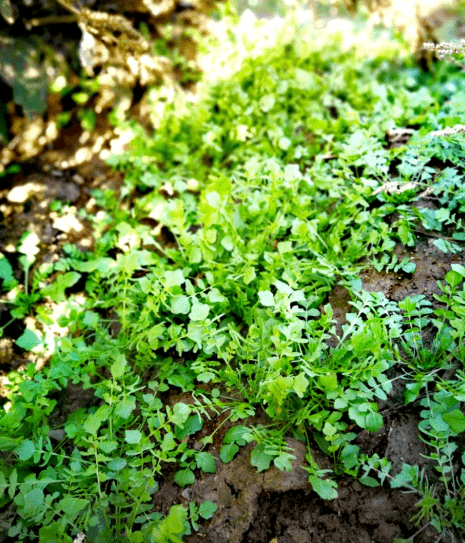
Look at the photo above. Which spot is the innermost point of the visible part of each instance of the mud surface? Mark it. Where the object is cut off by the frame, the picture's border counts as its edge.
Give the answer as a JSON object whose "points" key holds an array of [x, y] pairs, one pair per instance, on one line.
{"points": [[431, 266], [261, 507], [357, 516]]}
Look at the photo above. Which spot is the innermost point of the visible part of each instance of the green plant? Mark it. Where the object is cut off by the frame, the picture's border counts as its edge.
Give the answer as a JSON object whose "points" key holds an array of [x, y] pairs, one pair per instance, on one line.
{"points": [[20, 300], [211, 277], [442, 491], [442, 502]]}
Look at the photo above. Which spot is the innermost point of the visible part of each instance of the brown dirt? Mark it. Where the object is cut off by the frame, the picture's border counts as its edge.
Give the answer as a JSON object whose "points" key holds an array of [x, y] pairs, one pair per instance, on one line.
{"points": [[432, 265], [257, 507]]}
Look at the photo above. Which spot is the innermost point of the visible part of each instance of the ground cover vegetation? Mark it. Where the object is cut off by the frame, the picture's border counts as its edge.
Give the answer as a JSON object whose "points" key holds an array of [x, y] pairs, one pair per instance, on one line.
{"points": [[210, 276]]}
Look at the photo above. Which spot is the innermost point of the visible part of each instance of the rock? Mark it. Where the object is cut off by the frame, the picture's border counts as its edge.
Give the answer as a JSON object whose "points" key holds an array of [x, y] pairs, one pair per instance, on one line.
{"points": [[42, 188], [6, 350], [297, 535], [68, 223]]}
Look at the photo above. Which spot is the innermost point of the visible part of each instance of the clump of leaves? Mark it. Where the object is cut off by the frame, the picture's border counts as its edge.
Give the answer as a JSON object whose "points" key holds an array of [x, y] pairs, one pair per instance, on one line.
{"points": [[210, 277]]}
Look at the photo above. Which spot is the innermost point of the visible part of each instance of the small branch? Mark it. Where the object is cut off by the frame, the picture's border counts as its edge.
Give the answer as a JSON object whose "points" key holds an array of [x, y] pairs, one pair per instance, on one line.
{"points": [[435, 236], [50, 20]]}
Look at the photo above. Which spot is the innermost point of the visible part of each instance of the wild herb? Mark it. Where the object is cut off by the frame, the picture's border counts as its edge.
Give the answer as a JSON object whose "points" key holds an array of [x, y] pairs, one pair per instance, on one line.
{"points": [[270, 190]]}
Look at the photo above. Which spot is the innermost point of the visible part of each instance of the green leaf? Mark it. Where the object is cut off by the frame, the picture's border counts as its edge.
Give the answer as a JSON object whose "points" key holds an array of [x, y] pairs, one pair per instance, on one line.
{"points": [[446, 246], [87, 118], [284, 143], [92, 424], [56, 291], [215, 296], [454, 278], [213, 198], [171, 526], [412, 391], [266, 298], [207, 509], [405, 476], [117, 464], [118, 367], [459, 269], [103, 265], [228, 452], [304, 79], [328, 382], [321, 442], [76, 467], [456, 420], [174, 278], [193, 424], [442, 214], [28, 340], [34, 499], [184, 477], [181, 412], [280, 388], [103, 412], [3, 484], [154, 334], [409, 267], [300, 385], [132, 437], [369, 481], [194, 254], [249, 275], [180, 305], [125, 407], [206, 376], [13, 483], [26, 450], [72, 506], [91, 319], [291, 173], [267, 102], [283, 462], [227, 243], [235, 435], [325, 488], [199, 312], [373, 421], [206, 462], [340, 403], [6, 273], [53, 532], [260, 459]]}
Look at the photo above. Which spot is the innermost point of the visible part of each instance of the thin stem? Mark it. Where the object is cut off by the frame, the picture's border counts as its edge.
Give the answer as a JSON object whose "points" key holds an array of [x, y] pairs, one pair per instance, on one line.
{"points": [[68, 6], [26, 278]]}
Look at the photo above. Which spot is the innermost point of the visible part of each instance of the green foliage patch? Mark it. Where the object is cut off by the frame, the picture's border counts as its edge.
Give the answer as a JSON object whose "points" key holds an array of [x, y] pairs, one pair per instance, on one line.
{"points": [[268, 191]]}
